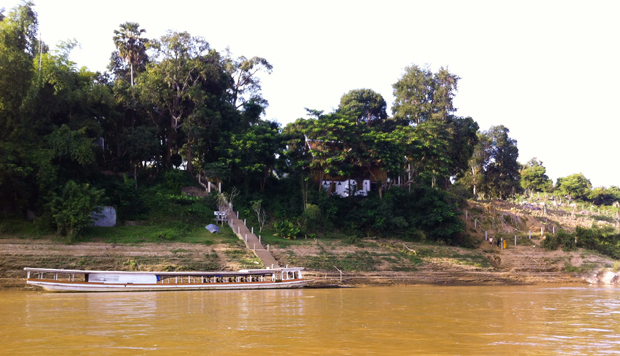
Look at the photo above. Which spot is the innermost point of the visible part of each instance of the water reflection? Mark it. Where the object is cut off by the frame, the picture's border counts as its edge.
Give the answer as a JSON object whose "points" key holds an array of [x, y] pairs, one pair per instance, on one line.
{"points": [[396, 320]]}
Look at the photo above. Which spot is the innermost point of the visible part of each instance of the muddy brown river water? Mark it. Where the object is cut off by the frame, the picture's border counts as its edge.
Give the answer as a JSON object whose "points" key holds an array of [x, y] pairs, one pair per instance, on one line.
{"points": [[428, 320]]}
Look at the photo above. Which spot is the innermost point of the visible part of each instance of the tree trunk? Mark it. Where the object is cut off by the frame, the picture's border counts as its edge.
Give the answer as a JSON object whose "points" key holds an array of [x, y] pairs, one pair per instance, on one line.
{"points": [[190, 166]]}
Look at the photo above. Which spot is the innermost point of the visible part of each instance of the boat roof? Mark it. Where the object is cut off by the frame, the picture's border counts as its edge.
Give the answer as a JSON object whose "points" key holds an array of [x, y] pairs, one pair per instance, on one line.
{"points": [[181, 273]]}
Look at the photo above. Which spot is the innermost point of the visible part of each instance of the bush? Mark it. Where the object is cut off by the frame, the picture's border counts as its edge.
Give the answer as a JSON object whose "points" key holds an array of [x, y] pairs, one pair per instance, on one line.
{"points": [[286, 229], [311, 218], [72, 210], [561, 238]]}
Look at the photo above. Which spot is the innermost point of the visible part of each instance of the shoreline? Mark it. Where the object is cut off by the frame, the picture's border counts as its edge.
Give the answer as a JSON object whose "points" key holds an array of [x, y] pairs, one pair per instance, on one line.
{"points": [[510, 267]]}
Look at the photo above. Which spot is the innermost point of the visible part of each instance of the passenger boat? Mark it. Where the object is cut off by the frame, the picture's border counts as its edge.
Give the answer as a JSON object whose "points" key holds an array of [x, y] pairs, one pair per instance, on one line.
{"points": [[69, 280]]}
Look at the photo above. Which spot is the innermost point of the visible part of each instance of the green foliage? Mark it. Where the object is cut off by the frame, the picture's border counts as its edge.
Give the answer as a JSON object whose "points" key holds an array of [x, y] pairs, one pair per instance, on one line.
{"points": [[365, 105], [72, 209], [286, 230], [534, 177], [576, 185], [421, 95], [604, 196], [561, 238], [311, 219], [175, 179], [494, 170]]}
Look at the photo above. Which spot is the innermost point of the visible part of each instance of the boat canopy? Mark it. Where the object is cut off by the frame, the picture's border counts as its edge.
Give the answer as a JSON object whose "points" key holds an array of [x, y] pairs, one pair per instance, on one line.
{"points": [[182, 273]]}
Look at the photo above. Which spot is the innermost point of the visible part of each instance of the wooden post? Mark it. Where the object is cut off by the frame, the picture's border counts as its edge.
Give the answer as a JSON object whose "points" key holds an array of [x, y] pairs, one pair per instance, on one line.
{"points": [[258, 238], [530, 234], [220, 187], [237, 215], [268, 249], [515, 240], [252, 229], [542, 230]]}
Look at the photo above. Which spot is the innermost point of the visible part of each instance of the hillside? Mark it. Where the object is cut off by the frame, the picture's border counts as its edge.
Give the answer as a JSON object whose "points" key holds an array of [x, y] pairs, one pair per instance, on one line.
{"points": [[365, 261]]}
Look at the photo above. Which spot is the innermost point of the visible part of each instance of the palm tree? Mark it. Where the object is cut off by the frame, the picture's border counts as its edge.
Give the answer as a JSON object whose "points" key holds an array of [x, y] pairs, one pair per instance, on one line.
{"points": [[131, 46]]}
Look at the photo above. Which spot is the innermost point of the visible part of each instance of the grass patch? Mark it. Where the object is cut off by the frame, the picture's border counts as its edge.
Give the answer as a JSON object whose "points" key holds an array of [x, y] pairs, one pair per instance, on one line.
{"points": [[157, 233]]}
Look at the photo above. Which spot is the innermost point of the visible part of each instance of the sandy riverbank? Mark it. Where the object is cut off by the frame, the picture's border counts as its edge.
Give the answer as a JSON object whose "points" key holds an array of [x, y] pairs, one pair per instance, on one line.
{"points": [[440, 265]]}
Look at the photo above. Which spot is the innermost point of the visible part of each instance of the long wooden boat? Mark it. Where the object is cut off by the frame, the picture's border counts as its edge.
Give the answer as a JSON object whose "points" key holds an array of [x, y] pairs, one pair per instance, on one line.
{"points": [[69, 280]]}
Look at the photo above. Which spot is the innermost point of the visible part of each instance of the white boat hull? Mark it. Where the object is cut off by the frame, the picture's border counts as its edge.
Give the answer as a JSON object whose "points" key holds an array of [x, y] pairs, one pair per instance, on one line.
{"points": [[61, 286]]}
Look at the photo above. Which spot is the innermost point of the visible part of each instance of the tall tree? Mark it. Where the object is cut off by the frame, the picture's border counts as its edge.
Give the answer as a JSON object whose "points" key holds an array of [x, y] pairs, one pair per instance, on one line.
{"points": [[365, 105], [247, 84], [422, 95], [18, 48], [534, 177], [173, 84], [131, 45], [502, 172], [253, 153], [474, 176]]}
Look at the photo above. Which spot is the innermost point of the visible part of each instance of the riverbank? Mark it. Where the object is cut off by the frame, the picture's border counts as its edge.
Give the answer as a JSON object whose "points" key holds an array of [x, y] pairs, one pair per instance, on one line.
{"points": [[369, 262]]}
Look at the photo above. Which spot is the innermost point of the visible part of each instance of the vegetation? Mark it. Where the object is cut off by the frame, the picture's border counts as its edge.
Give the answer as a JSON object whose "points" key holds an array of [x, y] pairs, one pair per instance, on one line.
{"points": [[603, 240], [172, 111]]}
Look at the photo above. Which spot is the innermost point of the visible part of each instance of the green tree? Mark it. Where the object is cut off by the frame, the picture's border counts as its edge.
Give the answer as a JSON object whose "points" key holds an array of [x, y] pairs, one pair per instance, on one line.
{"points": [[534, 177], [253, 153], [365, 105], [246, 82], [604, 196], [422, 95], [185, 78], [502, 172], [474, 177], [131, 45], [575, 185]]}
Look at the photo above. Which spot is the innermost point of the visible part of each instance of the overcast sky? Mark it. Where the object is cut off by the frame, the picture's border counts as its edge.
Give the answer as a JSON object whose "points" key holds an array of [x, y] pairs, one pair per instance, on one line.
{"points": [[547, 70]]}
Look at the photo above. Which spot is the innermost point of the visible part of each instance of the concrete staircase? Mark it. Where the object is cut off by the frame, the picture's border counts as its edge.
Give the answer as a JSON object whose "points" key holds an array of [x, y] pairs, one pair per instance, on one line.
{"points": [[252, 242]]}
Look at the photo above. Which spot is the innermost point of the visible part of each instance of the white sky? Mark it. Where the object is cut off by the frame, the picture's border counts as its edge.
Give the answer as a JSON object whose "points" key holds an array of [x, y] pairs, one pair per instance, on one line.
{"points": [[547, 70]]}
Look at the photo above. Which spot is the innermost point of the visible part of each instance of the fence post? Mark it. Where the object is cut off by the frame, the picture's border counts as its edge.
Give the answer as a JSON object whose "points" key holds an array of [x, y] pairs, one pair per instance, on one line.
{"points": [[252, 229], [258, 238]]}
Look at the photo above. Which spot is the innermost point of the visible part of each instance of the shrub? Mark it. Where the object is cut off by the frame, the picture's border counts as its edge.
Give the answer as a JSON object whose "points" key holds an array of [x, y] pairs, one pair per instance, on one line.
{"points": [[72, 210], [561, 238], [311, 218], [286, 229]]}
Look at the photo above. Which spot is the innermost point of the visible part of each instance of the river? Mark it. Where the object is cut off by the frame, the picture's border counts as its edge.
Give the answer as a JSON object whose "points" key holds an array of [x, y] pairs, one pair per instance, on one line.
{"points": [[431, 320]]}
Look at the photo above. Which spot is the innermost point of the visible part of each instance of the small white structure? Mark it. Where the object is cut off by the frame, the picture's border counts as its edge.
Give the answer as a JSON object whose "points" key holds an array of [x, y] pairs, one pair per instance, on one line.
{"points": [[348, 188]]}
